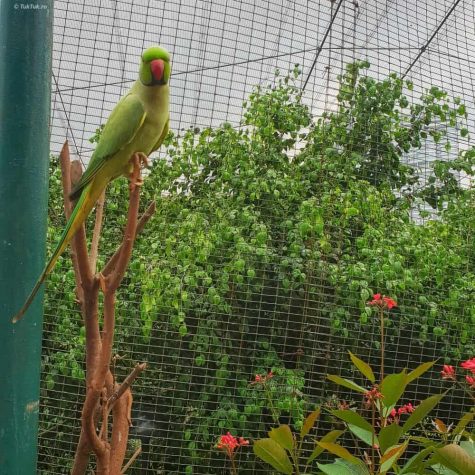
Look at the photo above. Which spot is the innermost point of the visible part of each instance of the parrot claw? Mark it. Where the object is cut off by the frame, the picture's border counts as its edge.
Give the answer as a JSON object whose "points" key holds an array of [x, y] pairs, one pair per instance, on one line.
{"points": [[135, 182], [135, 178], [143, 159]]}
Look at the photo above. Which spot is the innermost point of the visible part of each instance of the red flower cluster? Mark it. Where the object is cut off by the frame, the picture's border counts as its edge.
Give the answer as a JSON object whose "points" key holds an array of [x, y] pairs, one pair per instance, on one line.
{"points": [[372, 395], [406, 409], [448, 372], [383, 301], [262, 378], [229, 443], [469, 364]]}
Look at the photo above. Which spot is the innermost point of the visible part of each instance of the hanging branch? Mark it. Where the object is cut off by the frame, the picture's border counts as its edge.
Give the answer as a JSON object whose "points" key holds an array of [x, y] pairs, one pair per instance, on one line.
{"points": [[70, 174], [103, 395]]}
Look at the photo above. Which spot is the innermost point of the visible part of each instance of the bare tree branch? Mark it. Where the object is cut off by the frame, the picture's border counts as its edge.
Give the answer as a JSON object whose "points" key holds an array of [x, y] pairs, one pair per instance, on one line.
{"points": [[109, 267], [102, 395], [132, 460], [127, 383]]}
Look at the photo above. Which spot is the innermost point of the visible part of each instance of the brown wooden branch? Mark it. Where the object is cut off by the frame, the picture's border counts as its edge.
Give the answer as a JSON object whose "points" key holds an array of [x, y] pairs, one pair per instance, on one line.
{"points": [[81, 457], [123, 388], [127, 383], [132, 460], [102, 395], [65, 163], [120, 432], [109, 267], [79, 241], [66, 178], [114, 278]]}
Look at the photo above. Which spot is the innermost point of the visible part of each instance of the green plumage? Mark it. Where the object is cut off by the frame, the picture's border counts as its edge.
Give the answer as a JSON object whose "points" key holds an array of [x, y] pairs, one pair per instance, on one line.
{"points": [[138, 123]]}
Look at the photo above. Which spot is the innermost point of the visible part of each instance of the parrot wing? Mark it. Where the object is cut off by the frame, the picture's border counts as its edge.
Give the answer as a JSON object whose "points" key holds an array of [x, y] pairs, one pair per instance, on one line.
{"points": [[120, 129], [162, 136]]}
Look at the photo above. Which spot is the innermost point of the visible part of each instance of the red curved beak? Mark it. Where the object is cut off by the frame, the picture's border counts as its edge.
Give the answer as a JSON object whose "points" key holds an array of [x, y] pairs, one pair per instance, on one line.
{"points": [[157, 67]]}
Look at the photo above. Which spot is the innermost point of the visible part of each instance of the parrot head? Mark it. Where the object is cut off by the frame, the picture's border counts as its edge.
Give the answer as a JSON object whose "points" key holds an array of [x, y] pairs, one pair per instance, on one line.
{"points": [[155, 66]]}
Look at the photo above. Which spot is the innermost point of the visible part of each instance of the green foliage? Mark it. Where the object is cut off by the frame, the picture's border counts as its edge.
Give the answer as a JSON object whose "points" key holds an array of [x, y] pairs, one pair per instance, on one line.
{"points": [[266, 231], [283, 449], [388, 438]]}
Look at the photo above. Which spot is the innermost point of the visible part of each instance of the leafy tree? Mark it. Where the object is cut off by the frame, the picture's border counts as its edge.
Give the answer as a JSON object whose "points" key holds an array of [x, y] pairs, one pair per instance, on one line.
{"points": [[267, 242]]}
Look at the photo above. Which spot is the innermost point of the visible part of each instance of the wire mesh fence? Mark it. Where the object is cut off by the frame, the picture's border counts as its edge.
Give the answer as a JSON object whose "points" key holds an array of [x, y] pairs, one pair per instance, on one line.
{"points": [[273, 232]]}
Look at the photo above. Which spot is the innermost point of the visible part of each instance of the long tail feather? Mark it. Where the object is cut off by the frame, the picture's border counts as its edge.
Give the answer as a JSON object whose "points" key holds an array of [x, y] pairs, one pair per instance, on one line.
{"points": [[30, 299], [79, 214]]}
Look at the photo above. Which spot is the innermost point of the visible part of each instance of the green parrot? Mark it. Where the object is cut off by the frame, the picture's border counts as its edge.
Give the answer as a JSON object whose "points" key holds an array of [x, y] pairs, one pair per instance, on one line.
{"points": [[138, 124]]}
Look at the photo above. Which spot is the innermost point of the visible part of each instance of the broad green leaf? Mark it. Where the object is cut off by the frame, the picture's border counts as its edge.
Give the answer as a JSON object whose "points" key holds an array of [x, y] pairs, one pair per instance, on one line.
{"points": [[272, 453], [363, 367], [352, 417], [330, 437], [420, 370], [417, 462], [424, 441], [392, 388], [339, 451], [389, 436], [391, 456], [468, 446], [441, 470], [383, 410], [366, 436], [463, 422], [309, 422], [283, 436], [457, 459], [346, 383], [341, 467], [421, 411]]}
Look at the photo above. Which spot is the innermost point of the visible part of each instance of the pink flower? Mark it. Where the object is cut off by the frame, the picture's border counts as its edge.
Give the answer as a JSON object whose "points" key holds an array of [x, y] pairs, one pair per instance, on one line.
{"points": [[448, 372], [343, 405], [469, 364], [262, 378], [470, 381], [383, 301], [390, 303], [229, 443], [406, 409], [376, 300], [396, 414], [372, 395]]}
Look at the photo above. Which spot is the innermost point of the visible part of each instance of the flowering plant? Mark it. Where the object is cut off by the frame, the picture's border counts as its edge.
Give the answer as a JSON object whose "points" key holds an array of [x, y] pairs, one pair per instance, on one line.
{"points": [[385, 436], [383, 431], [228, 444]]}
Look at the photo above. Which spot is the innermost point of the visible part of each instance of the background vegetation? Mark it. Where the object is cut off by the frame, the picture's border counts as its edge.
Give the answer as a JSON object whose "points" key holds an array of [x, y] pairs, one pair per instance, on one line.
{"points": [[267, 244]]}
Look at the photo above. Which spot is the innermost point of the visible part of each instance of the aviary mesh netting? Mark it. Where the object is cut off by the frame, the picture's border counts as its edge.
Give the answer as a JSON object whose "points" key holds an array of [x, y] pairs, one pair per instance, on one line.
{"points": [[347, 172]]}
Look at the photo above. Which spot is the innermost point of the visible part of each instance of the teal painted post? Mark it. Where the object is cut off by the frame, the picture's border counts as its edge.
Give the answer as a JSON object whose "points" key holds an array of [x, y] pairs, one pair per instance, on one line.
{"points": [[25, 95]]}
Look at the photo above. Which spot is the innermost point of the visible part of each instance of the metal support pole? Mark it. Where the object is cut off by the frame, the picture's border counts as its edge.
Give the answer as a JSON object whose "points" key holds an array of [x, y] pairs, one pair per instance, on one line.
{"points": [[25, 88]]}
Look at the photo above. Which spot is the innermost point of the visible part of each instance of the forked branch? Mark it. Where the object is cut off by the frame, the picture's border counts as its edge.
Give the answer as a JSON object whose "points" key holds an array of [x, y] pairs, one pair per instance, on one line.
{"points": [[103, 396]]}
